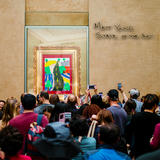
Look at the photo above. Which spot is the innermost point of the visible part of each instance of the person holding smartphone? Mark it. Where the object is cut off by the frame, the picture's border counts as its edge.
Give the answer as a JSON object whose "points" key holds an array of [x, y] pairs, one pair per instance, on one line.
{"points": [[119, 114], [134, 94]]}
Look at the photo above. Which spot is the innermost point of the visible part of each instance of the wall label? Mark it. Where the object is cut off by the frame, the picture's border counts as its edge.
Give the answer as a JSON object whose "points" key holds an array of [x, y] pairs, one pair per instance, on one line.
{"points": [[119, 32]]}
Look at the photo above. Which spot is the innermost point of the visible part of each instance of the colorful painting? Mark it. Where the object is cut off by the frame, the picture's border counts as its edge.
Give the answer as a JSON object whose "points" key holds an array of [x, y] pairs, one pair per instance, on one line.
{"points": [[57, 73], [57, 70]]}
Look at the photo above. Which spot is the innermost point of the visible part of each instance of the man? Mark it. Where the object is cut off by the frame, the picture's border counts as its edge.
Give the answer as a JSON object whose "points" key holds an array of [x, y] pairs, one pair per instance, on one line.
{"points": [[22, 122], [119, 114], [134, 94], [142, 126], [44, 99], [108, 137]]}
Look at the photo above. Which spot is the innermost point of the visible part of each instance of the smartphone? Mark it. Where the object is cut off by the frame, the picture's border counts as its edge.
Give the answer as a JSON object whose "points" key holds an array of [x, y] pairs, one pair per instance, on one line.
{"points": [[119, 86], [65, 117], [91, 86]]}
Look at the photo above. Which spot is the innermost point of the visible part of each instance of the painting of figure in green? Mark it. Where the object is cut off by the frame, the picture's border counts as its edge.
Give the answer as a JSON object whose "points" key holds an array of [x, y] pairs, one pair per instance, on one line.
{"points": [[57, 73]]}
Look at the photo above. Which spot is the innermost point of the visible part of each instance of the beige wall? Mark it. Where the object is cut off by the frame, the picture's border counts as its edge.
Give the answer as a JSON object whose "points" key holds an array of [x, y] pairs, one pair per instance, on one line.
{"points": [[12, 48], [135, 63], [57, 5]]}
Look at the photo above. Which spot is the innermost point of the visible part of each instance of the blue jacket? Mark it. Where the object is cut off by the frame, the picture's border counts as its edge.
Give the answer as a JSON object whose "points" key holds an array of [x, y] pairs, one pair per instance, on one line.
{"points": [[106, 152]]}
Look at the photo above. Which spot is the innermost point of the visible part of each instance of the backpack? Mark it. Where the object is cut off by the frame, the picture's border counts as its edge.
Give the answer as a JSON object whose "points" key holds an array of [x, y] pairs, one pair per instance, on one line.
{"points": [[34, 133]]}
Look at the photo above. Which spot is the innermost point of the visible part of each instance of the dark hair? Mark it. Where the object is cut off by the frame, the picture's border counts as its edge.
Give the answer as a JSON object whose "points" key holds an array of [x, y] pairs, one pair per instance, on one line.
{"points": [[22, 96], [11, 140], [109, 133], [79, 126], [150, 101], [96, 99], [29, 101], [129, 106], [49, 109], [2, 101], [54, 99], [60, 108], [134, 96], [38, 101], [113, 94], [80, 110], [156, 99], [49, 132], [44, 94]]}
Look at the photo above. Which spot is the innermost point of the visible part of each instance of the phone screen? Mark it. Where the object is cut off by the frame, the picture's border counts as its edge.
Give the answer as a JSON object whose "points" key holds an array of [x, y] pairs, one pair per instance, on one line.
{"points": [[119, 85], [91, 87]]}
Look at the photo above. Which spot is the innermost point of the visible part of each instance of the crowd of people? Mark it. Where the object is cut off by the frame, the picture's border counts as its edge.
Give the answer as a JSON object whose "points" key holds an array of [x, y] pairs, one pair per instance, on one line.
{"points": [[91, 128]]}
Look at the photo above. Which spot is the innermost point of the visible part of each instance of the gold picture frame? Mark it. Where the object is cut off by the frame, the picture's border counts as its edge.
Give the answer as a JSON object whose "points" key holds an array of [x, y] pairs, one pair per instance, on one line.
{"points": [[64, 57]]}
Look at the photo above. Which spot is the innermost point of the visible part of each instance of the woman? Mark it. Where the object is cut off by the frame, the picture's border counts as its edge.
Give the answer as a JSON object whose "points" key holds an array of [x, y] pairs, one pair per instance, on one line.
{"points": [[103, 117], [11, 109], [79, 129]]}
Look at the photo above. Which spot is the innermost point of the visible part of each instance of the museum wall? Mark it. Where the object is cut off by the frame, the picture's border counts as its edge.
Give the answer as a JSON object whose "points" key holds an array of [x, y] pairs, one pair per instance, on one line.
{"points": [[123, 40], [12, 20], [14, 15], [124, 44]]}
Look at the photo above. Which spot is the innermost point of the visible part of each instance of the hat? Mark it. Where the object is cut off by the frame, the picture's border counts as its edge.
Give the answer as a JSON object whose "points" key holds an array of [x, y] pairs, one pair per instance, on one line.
{"points": [[134, 91], [113, 94]]}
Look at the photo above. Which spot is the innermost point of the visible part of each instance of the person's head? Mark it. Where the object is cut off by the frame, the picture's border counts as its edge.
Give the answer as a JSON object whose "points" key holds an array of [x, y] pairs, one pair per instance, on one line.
{"points": [[43, 96], [104, 117], [22, 96], [113, 95], [11, 141], [57, 130], [130, 106], [96, 99], [47, 145], [54, 99], [60, 108], [90, 110], [72, 100], [151, 102], [80, 110], [79, 126], [109, 134], [48, 111], [2, 103], [10, 110], [29, 102], [134, 93]]}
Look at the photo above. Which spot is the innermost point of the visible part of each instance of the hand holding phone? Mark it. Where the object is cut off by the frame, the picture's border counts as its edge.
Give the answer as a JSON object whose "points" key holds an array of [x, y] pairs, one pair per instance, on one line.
{"points": [[119, 86], [91, 86]]}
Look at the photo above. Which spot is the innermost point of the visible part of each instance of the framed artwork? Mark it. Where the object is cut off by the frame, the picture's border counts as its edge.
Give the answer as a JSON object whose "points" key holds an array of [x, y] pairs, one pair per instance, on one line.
{"points": [[57, 70]]}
